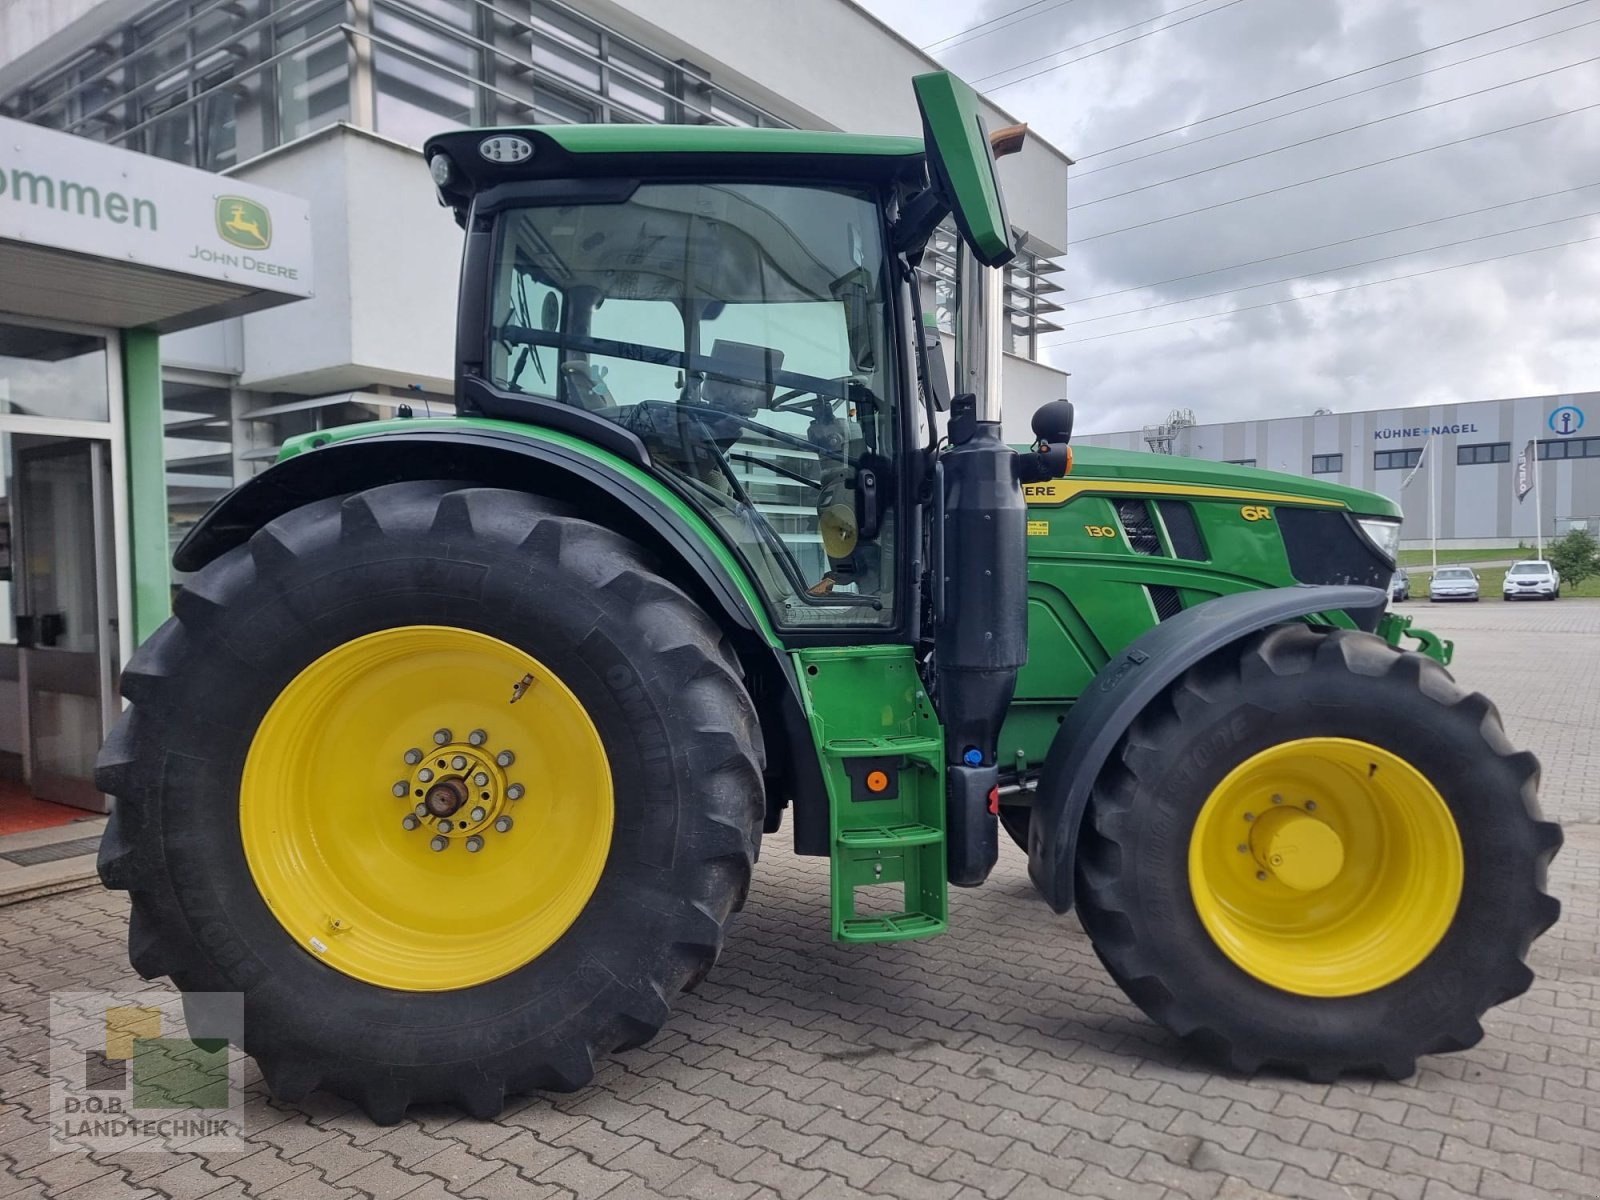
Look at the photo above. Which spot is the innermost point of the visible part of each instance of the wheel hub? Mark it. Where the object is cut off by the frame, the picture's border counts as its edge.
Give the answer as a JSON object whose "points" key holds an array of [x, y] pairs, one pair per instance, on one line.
{"points": [[444, 797], [463, 790], [1297, 849]]}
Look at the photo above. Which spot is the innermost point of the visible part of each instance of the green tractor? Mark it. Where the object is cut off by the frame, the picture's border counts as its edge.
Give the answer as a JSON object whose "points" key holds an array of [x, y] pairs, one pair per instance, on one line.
{"points": [[456, 755]]}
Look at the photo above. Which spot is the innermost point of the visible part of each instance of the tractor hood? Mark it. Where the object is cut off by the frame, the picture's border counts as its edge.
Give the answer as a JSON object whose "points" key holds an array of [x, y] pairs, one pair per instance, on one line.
{"points": [[1099, 462]]}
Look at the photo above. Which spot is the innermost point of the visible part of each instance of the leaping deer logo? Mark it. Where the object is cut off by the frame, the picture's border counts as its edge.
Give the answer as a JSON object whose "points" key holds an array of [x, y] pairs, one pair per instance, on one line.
{"points": [[243, 223]]}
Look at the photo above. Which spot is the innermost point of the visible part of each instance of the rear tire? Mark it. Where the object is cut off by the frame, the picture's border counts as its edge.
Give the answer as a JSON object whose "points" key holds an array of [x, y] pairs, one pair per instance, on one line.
{"points": [[676, 732], [1140, 899]]}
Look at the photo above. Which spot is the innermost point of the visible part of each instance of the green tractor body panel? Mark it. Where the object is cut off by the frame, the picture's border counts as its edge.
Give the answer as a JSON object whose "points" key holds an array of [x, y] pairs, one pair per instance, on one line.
{"points": [[1129, 539]]}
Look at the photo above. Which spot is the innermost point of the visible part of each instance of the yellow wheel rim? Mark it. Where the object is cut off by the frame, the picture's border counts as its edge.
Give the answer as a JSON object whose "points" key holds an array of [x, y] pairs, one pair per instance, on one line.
{"points": [[410, 823], [1325, 866]]}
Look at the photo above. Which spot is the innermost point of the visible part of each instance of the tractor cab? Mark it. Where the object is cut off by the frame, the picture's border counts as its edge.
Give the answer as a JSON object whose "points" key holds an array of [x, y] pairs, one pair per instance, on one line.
{"points": [[735, 308]]}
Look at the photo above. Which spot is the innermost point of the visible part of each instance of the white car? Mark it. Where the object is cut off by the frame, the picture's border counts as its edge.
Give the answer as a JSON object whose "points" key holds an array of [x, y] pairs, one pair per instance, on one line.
{"points": [[1453, 583], [1534, 578]]}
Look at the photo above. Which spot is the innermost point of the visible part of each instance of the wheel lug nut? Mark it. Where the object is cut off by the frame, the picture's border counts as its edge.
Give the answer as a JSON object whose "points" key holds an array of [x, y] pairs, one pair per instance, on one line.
{"points": [[401, 788], [458, 763], [477, 737], [1249, 816], [441, 737], [478, 814], [439, 843], [505, 758], [445, 826], [425, 775], [502, 824], [1311, 806], [514, 792], [421, 810], [1262, 876], [410, 821], [481, 779], [413, 756], [474, 844], [1243, 849], [1277, 799]]}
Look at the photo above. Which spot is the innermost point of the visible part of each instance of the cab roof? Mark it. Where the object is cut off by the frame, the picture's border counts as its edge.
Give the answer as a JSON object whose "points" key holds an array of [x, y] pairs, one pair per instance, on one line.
{"points": [[672, 151]]}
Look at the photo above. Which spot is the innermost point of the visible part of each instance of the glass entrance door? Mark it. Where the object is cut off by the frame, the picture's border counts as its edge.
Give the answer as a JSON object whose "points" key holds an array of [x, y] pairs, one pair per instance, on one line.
{"points": [[65, 620]]}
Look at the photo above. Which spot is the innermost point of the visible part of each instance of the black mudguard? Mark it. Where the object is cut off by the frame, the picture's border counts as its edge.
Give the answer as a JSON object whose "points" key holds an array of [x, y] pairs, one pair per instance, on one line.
{"points": [[1132, 680]]}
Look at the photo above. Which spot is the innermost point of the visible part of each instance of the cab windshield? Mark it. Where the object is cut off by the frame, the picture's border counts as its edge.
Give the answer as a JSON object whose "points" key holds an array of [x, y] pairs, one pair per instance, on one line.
{"points": [[741, 331]]}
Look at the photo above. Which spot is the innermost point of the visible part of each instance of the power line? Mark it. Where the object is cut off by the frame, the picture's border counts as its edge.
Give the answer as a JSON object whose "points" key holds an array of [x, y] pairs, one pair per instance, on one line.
{"points": [[1098, 37], [1255, 262], [1184, 145], [1371, 262], [1327, 292], [1334, 133], [1150, 137], [992, 20], [1284, 187]]}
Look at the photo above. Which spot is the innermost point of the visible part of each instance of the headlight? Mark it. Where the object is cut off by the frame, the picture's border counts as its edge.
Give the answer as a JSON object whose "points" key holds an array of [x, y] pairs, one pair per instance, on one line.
{"points": [[440, 167], [1383, 533]]}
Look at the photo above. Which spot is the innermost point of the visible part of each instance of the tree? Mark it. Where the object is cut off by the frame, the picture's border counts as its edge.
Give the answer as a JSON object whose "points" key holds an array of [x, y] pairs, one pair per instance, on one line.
{"points": [[1576, 555]]}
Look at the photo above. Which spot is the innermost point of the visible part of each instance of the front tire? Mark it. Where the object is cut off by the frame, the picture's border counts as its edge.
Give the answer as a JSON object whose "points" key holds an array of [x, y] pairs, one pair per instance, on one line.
{"points": [[1349, 934], [275, 818]]}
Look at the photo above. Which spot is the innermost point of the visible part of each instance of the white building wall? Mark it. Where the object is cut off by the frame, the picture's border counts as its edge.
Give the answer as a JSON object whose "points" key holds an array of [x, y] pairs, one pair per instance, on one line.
{"points": [[833, 65]]}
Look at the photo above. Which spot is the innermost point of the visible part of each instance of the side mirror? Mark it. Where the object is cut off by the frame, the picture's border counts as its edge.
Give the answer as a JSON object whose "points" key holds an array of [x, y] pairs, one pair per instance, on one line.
{"points": [[961, 164], [1052, 422]]}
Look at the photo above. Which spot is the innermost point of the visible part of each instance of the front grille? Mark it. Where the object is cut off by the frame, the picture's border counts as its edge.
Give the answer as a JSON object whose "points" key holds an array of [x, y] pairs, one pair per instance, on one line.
{"points": [[1137, 524], [1165, 600], [1183, 531]]}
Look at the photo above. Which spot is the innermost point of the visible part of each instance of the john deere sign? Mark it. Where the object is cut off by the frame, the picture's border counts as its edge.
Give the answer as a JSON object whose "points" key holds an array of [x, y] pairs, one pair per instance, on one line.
{"points": [[73, 194], [244, 222]]}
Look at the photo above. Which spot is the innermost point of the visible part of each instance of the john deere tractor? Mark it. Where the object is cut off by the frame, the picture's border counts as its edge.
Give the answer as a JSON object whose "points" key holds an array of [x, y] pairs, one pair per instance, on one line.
{"points": [[457, 752]]}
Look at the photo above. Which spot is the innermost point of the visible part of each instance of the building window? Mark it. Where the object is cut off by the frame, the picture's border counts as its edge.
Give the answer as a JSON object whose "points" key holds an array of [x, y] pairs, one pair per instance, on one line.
{"points": [[1485, 452], [1240, 462], [1570, 448], [1327, 464], [1396, 460]]}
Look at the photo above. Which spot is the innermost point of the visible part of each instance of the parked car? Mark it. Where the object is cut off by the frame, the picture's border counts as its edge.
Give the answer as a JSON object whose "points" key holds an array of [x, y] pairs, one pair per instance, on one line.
{"points": [[1453, 583], [1533, 578], [1399, 586]]}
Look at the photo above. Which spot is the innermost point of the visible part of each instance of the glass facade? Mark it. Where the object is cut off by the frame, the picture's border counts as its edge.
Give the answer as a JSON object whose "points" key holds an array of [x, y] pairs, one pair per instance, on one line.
{"points": [[215, 83]]}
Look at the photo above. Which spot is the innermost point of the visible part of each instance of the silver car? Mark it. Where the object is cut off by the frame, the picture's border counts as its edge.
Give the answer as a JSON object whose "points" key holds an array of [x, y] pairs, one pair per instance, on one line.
{"points": [[1532, 579], [1453, 583]]}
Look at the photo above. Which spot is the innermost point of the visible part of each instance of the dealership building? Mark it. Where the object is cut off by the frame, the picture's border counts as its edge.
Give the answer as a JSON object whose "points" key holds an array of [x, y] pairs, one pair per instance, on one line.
{"points": [[1451, 467], [217, 232]]}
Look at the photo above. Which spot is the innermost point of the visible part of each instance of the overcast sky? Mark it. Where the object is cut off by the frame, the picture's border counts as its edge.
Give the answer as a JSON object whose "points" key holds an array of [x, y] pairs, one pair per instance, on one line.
{"points": [[1524, 325]]}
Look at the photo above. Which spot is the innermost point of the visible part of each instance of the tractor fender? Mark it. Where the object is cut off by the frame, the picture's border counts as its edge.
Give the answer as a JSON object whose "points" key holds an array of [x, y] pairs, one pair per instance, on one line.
{"points": [[1130, 681], [597, 490], [488, 457]]}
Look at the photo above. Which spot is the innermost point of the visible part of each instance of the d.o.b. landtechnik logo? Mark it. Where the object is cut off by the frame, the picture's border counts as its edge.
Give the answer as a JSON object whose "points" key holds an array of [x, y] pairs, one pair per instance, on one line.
{"points": [[138, 1072]]}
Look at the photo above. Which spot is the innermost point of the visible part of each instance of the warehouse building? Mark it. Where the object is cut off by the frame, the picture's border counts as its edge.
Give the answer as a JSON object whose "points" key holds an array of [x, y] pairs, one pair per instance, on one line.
{"points": [[1458, 461], [214, 148]]}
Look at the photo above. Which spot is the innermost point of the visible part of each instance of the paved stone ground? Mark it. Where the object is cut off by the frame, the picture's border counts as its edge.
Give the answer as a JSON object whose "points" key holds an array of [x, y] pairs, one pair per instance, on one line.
{"points": [[995, 1062]]}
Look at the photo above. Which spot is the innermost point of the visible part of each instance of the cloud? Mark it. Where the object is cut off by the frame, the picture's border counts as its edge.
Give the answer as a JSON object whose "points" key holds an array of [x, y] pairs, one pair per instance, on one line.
{"points": [[1518, 326]]}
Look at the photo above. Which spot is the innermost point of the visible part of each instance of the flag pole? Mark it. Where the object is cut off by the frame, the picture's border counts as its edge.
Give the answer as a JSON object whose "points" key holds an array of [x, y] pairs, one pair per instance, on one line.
{"points": [[1433, 504], [1538, 512]]}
